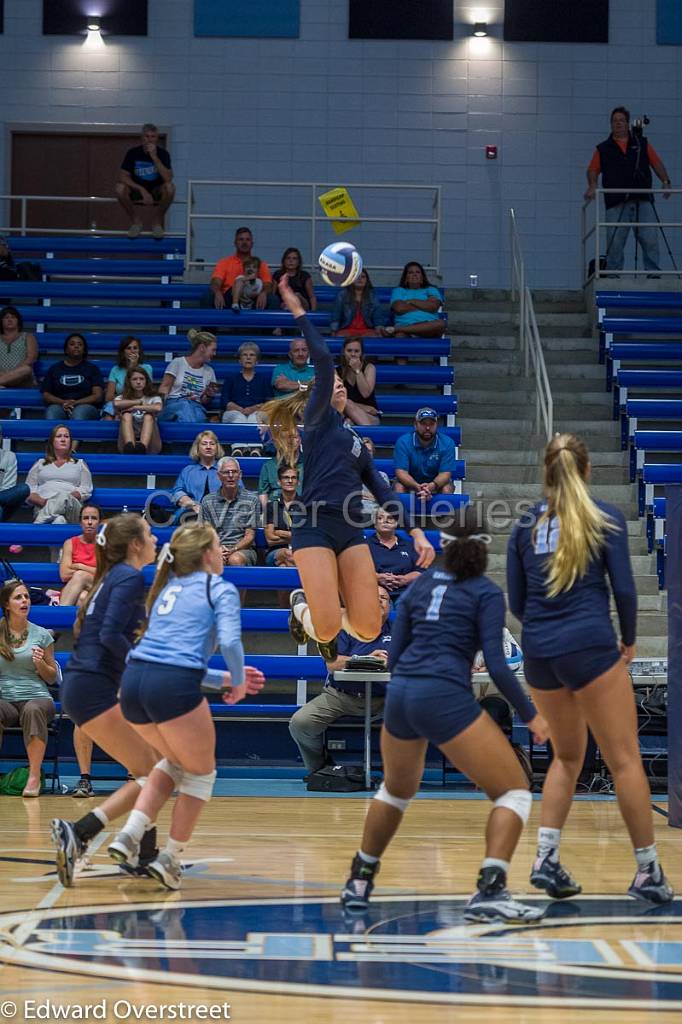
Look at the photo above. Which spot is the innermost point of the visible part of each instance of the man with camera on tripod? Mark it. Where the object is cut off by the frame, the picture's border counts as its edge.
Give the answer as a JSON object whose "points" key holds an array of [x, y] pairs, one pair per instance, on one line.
{"points": [[625, 160]]}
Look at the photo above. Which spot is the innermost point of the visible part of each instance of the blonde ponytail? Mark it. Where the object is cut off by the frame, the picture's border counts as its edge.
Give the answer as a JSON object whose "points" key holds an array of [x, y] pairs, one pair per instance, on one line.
{"points": [[182, 556], [582, 524], [282, 417], [197, 338]]}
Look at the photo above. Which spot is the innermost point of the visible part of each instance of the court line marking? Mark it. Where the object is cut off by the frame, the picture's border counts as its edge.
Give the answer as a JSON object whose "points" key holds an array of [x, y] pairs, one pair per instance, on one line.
{"points": [[659, 810]]}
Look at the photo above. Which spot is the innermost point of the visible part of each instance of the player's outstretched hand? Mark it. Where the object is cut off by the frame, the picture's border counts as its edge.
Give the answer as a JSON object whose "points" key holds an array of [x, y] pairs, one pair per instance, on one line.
{"points": [[538, 726], [254, 681], [424, 549], [289, 297]]}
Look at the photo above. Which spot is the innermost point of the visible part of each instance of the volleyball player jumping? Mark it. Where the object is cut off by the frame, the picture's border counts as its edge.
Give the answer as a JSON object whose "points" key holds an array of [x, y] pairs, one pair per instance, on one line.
{"points": [[191, 609], [442, 620], [328, 541], [105, 631], [557, 566]]}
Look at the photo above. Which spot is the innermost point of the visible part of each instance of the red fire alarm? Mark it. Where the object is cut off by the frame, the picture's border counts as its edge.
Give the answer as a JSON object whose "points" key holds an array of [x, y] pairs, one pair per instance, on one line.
{"points": [[491, 152]]}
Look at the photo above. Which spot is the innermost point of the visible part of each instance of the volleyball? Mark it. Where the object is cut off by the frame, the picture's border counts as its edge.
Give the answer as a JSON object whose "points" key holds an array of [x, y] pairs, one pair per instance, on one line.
{"points": [[340, 264], [512, 652]]}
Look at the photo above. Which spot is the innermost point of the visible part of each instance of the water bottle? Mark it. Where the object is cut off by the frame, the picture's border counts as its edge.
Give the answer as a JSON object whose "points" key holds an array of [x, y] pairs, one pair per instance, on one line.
{"points": [[473, 280]]}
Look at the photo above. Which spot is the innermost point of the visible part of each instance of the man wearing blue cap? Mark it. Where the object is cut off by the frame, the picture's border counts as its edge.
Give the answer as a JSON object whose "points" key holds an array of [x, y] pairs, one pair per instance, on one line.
{"points": [[424, 459]]}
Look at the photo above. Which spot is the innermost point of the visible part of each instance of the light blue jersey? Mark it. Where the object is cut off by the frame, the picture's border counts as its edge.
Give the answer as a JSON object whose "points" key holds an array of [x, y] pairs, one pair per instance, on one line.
{"points": [[191, 617]]}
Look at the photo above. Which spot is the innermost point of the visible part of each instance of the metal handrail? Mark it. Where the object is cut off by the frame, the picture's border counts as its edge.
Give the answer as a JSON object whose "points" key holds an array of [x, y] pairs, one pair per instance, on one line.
{"points": [[601, 227], [529, 335], [24, 229], [314, 217]]}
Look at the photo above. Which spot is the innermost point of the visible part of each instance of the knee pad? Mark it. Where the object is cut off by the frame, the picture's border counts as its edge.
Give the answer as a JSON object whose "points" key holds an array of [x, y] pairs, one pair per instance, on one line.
{"points": [[198, 786], [519, 801], [385, 797], [174, 770]]}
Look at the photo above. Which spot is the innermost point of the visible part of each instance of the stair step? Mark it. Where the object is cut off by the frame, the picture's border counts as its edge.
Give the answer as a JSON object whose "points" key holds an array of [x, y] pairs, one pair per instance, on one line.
{"points": [[645, 584], [532, 457], [530, 474]]}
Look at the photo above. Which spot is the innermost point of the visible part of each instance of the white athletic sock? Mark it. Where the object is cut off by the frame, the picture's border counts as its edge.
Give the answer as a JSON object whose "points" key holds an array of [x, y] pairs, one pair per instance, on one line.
{"points": [[495, 862], [647, 857], [174, 848], [302, 613], [548, 843], [101, 816], [367, 857], [137, 824]]}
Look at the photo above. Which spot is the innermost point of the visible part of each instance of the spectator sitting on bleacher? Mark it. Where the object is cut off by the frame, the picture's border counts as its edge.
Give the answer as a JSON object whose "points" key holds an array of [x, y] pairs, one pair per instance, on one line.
{"points": [[277, 519], [59, 483], [73, 388], [415, 304], [27, 666], [357, 311], [77, 563], [138, 407], [188, 383], [234, 513], [290, 376], [395, 559], [245, 391], [228, 269], [11, 271], [12, 494], [338, 699], [268, 479], [360, 378], [369, 502], [146, 176], [130, 354], [18, 350], [425, 459], [300, 281], [200, 478]]}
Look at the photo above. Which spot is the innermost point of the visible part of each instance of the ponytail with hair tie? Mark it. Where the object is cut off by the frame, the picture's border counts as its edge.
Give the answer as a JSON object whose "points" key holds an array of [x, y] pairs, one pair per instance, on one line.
{"points": [[101, 539]]}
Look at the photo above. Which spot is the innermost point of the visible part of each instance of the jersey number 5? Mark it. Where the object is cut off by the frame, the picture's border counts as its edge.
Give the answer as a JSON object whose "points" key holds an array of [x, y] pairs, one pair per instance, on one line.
{"points": [[168, 599], [433, 611]]}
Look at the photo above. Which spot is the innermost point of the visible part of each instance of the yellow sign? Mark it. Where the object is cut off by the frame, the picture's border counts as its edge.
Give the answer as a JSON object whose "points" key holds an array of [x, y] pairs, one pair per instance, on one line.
{"points": [[338, 206]]}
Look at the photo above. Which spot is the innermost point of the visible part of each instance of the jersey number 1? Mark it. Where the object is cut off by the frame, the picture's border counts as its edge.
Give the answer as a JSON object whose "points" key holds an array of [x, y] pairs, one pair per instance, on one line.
{"points": [[433, 611]]}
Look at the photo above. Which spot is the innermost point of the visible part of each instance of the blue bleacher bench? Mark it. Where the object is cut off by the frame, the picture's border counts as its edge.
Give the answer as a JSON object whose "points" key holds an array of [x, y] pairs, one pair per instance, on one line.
{"points": [[112, 268], [644, 379], [638, 300], [98, 291], [647, 409], [173, 244], [178, 433], [177, 345], [417, 375], [130, 316], [656, 474], [640, 352], [644, 441], [444, 405], [611, 326]]}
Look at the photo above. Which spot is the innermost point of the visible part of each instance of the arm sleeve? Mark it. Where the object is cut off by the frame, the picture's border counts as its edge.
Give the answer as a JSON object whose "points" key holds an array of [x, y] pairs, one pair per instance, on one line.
{"points": [[48, 381], [9, 478], [128, 162], [96, 379], [490, 628], [228, 385], [85, 486], [401, 632], [318, 403], [516, 577], [227, 612], [124, 599], [400, 453], [619, 568], [32, 475], [180, 486], [164, 157], [448, 463]]}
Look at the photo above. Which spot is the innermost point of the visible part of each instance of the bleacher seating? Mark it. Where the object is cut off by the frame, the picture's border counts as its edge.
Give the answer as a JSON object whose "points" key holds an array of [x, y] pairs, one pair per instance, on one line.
{"points": [[668, 409], [164, 268], [642, 380], [46, 244], [636, 300], [130, 317], [611, 327]]}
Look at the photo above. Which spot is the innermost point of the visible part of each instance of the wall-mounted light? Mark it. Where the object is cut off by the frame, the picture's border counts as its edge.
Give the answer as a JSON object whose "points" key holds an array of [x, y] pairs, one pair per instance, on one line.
{"points": [[93, 25], [480, 29]]}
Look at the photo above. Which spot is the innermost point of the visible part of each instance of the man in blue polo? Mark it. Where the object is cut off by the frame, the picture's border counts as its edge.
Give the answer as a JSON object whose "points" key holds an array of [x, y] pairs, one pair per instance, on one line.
{"points": [[425, 459], [307, 726], [394, 557]]}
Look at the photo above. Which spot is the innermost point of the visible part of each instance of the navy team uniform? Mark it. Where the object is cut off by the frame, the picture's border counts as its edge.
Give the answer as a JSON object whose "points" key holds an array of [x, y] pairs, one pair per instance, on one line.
{"points": [[569, 640], [440, 625], [336, 464], [192, 615], [92, 676]]}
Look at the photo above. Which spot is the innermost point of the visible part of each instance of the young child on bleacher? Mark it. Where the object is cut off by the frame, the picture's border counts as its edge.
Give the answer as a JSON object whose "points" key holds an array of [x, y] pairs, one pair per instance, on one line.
{"points": [[247, 286], [137, 408]]}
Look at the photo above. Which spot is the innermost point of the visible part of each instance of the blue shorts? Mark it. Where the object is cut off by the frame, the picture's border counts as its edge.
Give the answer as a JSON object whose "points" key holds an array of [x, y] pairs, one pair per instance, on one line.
{"points": [[330, 531], [436, 710], [85, 695], [152, 692], [573, 670]]}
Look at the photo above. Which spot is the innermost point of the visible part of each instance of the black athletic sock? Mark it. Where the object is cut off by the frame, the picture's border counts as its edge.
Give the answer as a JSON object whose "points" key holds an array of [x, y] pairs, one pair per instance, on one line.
{"points": [[88, 827]]}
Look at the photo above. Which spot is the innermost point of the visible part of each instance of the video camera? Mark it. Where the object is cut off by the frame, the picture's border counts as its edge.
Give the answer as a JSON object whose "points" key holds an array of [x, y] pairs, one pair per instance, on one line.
{"points": [[638, 125]]}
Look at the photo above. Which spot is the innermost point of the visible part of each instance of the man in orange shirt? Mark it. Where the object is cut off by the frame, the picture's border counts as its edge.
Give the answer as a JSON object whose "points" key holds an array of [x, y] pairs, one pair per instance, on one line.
{"points": [[229, 268], [625, 160]]}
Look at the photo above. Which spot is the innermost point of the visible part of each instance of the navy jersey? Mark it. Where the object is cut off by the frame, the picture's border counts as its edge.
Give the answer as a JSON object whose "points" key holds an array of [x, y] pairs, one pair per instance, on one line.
{"points": [[114, 613], [578, 617], [336, 464], [193, 615], [440, 625]]}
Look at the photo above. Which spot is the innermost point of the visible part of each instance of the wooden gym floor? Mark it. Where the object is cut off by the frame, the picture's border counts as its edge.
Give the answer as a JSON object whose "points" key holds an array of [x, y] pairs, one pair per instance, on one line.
{"points": [[257, 924]]}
